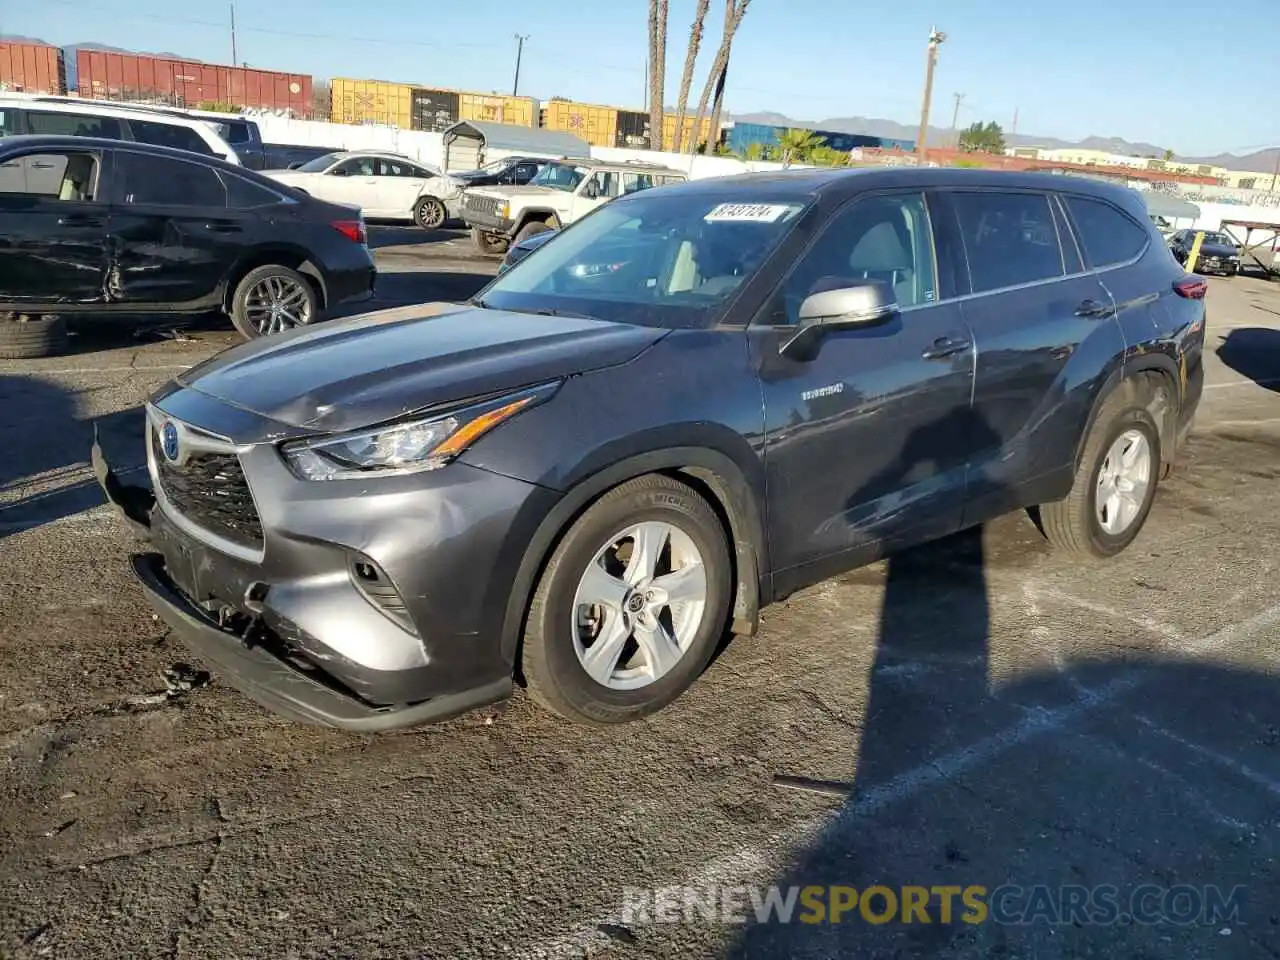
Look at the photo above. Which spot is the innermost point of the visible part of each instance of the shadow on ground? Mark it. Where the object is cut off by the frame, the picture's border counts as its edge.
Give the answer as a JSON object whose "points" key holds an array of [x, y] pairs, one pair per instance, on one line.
{"points": [[50, 441], [405, 235], [1108, 809], [1253, 352]]}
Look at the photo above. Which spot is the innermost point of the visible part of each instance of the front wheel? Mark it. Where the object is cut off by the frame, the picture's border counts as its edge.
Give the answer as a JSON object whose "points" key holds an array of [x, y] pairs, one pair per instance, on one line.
{"points": [[488, 243], [272, 299], [429, 213], [1115, 483], [630, 607], [530, 229]]}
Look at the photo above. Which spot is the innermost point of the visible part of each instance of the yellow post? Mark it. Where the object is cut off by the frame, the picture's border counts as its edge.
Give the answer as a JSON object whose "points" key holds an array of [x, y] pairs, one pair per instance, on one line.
{"points": [[1195, 252]]}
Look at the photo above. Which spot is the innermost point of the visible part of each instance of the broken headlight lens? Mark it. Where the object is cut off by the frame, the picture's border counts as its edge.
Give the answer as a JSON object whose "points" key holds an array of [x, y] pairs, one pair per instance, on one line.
{"points": [[411, 446]]}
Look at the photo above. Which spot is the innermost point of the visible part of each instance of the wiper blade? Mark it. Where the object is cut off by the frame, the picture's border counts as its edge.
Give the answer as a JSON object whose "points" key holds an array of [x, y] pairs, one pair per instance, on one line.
{"points": [[568, 314]]}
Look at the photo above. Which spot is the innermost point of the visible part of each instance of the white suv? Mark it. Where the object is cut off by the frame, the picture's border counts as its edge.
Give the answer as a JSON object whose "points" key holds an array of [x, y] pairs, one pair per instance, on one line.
{"points": [[67, 118], [562, 192]]}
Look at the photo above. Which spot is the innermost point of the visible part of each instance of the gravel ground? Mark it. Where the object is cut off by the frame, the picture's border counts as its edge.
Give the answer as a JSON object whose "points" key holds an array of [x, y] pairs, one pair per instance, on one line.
{"points": [[1012, 717]]}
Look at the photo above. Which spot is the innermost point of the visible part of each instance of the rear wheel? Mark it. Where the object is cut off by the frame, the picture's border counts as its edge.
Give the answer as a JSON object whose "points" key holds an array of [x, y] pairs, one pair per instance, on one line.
{"points": [[488, 243], [25, 336], [1115, 483], [429, 213], [272, 299], [631, 605]]}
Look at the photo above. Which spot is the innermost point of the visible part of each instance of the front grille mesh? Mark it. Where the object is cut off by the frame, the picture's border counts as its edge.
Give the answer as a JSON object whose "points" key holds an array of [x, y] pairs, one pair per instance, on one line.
{"points": [[210, 490], [475, 204]]}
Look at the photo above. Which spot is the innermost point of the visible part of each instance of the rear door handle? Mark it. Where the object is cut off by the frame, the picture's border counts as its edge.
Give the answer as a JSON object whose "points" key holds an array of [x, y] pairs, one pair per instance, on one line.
{"points": [[946, 347], [1093, 309], [218, 226]]}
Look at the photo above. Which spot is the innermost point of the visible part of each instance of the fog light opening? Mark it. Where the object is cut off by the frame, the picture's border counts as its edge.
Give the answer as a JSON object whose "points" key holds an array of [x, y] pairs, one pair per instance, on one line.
{"points": [[255, 596]]}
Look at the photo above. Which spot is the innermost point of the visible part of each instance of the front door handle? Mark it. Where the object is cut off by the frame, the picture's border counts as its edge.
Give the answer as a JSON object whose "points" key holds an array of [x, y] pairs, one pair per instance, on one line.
{"points": [[79, 220], [218, 227], [1093, 309], [946, 347]]}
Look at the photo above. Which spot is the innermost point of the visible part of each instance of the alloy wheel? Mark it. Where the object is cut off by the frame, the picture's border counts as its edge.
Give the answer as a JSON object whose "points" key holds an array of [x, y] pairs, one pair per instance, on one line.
{"points": [[1123, 480], [638, 605], [275, 304]]}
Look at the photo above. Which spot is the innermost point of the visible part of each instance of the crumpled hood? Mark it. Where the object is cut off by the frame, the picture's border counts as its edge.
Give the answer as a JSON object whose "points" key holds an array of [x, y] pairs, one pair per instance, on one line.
{"points": [[348, 374], [528, 190]]}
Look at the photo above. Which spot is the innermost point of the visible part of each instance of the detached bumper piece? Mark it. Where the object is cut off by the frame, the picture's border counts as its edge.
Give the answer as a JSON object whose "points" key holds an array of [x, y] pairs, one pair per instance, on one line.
{"points": [[280, 687]]}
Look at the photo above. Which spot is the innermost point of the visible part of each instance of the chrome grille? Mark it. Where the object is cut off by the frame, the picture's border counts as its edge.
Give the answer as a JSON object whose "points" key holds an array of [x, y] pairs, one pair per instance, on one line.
{"points": [[476, 204]]}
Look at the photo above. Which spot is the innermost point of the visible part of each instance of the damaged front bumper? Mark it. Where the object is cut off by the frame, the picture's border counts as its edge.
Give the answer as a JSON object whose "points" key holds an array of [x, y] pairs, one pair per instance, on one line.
{"points": [[263, 656]]}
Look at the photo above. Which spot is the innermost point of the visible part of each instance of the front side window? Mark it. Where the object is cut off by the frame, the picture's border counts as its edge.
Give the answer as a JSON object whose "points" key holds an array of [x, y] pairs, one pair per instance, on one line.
{"points": [[72, 124], [169, 135], [878, 238], [1010, 239], [55, 175], [560, 176], [1108, 236], [319, 164], [161, 181], [651, 258]]}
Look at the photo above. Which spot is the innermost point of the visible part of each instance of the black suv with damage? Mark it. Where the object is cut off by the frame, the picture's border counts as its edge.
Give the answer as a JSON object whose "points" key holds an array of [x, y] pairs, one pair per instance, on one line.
{"points": [[692, 403]]}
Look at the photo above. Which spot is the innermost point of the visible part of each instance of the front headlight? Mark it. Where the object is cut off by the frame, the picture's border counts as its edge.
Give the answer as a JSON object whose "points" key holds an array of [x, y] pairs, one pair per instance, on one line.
{"points": [[503, 210], [410, 446]]}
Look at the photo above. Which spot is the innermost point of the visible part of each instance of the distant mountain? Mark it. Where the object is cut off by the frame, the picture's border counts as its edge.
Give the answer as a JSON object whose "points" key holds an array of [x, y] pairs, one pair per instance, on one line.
{"points": [[1261, 161]]}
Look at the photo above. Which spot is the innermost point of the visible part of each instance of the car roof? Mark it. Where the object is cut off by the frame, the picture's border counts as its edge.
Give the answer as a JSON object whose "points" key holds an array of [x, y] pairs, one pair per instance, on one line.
{"points": [[843, 181], [59, 142], [98, 107]]}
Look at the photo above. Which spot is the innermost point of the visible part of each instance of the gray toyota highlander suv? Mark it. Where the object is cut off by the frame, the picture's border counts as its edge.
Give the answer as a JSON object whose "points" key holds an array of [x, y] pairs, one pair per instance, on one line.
{"points": [[694, 402]]}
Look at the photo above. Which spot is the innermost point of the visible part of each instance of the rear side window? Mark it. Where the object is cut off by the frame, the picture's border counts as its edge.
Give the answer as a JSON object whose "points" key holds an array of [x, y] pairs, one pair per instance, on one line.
{"points": [[1108, 236], [72, 125], [244, 195], [161, 181], [1010, 238], [236, 133], [169, 135]]}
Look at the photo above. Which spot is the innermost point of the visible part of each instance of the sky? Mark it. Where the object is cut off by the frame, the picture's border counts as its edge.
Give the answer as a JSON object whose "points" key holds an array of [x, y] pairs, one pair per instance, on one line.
{"points": [[1070, 70]]}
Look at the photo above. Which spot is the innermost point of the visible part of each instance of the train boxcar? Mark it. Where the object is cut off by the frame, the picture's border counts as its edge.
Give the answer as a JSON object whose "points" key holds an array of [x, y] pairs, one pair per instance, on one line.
{"points": [[372, 101], [434, 110], [496, 108], [32, 68], [107, 75], [669, 123], [598, 125], [633, 130]]}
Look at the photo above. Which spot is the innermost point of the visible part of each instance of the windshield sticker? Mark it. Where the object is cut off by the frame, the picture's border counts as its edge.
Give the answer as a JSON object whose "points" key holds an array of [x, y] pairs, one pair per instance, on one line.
{"points": [[754, 212]]}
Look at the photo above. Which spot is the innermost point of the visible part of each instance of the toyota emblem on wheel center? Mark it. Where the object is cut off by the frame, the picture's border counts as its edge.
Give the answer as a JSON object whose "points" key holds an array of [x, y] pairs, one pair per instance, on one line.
{"points": [[169, 440]]}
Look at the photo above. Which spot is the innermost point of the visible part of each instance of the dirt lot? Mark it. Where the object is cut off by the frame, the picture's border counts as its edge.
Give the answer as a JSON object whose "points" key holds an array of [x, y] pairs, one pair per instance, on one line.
{"points": [[1011, 717]]}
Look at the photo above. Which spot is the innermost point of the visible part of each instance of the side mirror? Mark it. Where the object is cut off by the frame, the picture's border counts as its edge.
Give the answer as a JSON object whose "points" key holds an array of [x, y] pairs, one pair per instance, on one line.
{"points": [[864, 304]]}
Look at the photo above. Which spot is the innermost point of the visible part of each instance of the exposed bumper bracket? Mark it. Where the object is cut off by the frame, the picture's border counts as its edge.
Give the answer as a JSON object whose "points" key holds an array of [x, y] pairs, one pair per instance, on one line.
{"points": [[133, 503]]}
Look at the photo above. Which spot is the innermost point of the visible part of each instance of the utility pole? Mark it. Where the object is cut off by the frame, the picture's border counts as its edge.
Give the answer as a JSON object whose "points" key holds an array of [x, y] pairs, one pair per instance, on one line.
{"points": [[955, 116], [936, 38], [520, 39], [234, 61], [1014, 132]]}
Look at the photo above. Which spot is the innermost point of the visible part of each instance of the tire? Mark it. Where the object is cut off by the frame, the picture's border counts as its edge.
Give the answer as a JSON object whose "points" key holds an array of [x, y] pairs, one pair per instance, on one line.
{"points": [[429, 213], [27, 336], [246, 303], [489, 245], [530, 229], [1073, 524], [553, 667]]}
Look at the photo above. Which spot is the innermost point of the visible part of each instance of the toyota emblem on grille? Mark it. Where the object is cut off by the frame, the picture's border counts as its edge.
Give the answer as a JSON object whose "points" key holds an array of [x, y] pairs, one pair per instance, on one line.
{"points": [[169, 440]]}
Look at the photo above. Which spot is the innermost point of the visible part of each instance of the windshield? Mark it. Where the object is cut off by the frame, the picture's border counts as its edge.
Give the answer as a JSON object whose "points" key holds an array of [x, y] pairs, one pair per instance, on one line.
{"points": [[319, 164], [560, 176], [1221, 238], [655, 258]]}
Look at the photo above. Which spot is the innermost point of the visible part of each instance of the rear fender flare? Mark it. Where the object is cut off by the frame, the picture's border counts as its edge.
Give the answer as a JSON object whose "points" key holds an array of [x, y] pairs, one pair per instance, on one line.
{"points": [[1129, 377]]}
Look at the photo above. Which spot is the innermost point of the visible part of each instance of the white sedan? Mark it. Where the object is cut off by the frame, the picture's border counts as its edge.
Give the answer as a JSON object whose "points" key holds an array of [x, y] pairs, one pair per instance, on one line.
{"points": [[385, 186]]}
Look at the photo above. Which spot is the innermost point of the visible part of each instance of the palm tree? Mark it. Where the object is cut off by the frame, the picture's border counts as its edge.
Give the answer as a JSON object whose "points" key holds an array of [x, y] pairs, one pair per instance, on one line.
{"points": [[657, 69], [734, 11], [686, 79], [796, 145]]}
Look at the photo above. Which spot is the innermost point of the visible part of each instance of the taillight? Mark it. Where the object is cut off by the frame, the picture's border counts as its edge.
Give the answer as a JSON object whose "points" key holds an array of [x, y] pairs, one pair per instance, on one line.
{"points": [[353, 230], [1193, 288]]}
